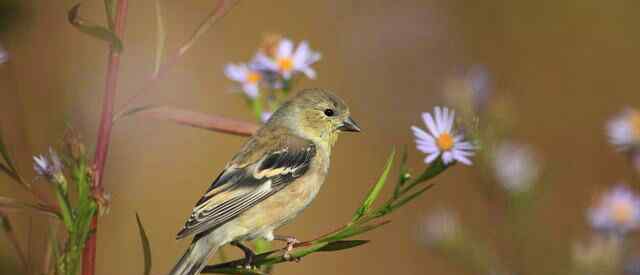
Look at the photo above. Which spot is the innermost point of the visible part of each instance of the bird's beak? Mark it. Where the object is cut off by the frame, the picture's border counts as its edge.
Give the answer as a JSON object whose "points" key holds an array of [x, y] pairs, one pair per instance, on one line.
{"points": [[348, 125]]}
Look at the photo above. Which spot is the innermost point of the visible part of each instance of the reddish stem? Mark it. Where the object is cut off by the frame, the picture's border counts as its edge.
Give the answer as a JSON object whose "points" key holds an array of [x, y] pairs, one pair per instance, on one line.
{"points": [[204, 121], [104, 134]]}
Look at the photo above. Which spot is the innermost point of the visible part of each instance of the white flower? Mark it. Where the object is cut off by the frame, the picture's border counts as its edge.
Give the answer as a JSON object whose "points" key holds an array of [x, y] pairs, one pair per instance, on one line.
{"points": [[441, 139], [287, 62], [618, 211], [265, 116], [624, 129], [516, 166], [247, 77]]}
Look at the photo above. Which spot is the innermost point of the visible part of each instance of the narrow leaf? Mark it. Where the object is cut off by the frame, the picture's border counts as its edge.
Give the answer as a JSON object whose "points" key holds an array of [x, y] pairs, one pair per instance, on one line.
{"points": [[110, 12], [375, 190], [161, 37], [146, 247], [94, 30], [217, 13], [352, 231], [6, 157], [341, 245], [6, 202], [409, 198]]}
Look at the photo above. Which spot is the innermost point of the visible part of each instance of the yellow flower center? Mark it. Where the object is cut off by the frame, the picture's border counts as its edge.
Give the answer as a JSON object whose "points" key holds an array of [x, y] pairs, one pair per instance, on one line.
{"points": [[253, 77], [622, 212], [634, 120], [445, 141], [285, 64]]}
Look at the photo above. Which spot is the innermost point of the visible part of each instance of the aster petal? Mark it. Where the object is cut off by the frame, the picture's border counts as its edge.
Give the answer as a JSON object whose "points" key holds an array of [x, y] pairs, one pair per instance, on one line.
{"points": [[464, 146], [449, 119], [463, 160], [438, 118], [263, 62], [285, 48], [428, 148], [447, 157], [431, 125], [421, 134], [251, 90], [236, 72], [309, 72], [301, 55], [430, 158]]}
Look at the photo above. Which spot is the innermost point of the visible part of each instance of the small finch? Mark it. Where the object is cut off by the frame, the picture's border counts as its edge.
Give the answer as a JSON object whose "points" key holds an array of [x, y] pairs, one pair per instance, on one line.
{"points": [[275, 176]]}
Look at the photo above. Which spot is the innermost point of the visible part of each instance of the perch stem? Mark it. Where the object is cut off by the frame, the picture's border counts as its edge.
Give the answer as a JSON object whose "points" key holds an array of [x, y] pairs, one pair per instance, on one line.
{"points": [[104, 134]]}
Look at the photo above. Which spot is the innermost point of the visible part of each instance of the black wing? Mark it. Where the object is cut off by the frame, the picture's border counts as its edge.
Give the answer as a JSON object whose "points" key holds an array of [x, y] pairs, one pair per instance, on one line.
{"points": [[238, 189]]}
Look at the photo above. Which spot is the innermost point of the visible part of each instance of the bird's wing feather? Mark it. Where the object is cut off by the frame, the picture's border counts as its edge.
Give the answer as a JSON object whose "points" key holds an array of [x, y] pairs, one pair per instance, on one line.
{"points": [[242, 185]]}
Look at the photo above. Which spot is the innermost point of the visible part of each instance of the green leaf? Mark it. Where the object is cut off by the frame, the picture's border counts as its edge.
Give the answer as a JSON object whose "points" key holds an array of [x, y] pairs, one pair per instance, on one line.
{"points": [[146, 247], [351, 231], [341, 245], [403, 172], [110, 11], [65, 209], [161, 37], [375, 190], [94, 30]]}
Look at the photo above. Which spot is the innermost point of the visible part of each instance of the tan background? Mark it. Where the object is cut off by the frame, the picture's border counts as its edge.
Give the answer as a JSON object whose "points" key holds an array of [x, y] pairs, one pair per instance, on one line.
{"points": [[567, 65]]}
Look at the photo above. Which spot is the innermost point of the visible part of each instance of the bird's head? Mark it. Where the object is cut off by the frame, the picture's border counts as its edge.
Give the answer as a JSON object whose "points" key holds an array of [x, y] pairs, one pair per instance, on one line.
{"points": [[316, 114]]}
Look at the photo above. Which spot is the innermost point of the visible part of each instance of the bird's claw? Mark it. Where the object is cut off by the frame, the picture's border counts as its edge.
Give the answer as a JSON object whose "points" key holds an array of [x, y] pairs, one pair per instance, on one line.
{"points": [[248, 266], [291, 241]]}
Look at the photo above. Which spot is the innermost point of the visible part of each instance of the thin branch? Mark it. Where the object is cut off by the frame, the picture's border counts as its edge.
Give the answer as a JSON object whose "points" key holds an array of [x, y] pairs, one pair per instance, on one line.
{"points": [[8, 230], [104, 133], [216, 14], [199, 120], [9, 203]]}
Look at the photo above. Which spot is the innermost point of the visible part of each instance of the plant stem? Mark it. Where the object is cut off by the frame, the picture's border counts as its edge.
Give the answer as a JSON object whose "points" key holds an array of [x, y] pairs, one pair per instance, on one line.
{"points": [[204, 121], [104, 134]]}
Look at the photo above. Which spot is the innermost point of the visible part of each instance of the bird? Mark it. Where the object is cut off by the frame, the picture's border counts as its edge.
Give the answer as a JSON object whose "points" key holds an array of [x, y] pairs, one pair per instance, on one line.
{"points": [[276, 174]]}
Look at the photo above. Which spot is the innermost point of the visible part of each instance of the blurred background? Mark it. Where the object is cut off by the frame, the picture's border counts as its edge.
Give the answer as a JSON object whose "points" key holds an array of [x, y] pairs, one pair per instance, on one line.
{"points": [[565, 67]]}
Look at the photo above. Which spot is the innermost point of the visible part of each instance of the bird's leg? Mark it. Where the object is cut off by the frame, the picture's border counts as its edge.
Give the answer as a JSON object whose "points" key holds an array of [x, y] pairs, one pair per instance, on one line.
{"points": [[291, 241], [248, 254]]}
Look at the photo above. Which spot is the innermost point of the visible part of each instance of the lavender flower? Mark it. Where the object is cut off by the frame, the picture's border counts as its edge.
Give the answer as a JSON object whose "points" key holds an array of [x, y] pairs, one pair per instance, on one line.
{"points": [[288, 62], [441, 139], [624, 130], [246, 76], [618, 212], [48, 166]]}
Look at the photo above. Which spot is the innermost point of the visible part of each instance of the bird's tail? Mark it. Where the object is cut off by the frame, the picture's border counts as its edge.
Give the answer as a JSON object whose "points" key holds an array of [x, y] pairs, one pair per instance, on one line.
{"points": [[195, 258]]}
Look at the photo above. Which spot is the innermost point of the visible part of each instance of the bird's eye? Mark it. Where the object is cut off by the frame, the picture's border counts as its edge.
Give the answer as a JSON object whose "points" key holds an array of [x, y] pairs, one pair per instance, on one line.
{"points": [[329, 112]]}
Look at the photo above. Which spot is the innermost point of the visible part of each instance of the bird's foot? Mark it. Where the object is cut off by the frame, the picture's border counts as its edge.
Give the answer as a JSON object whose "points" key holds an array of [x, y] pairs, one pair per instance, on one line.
{"points": [[248, 256], [291, 242]]}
